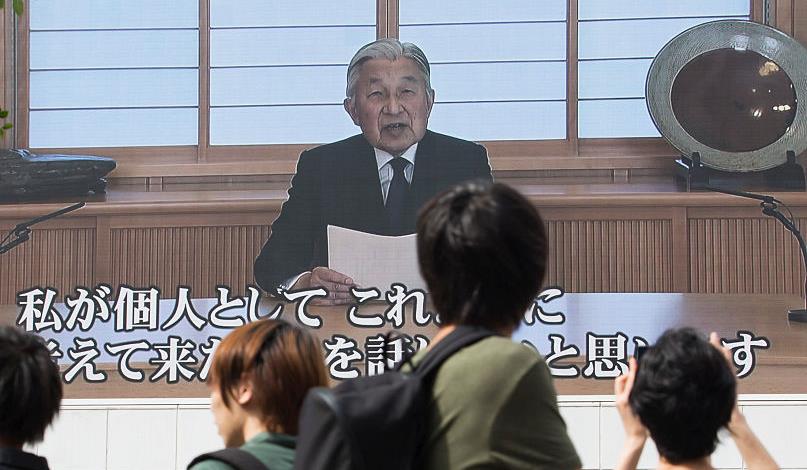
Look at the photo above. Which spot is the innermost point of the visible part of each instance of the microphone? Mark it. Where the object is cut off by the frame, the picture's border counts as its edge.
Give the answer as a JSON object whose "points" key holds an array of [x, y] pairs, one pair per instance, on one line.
{"points": [[45, 217], [22, 231], [770, 209], [736, 192]]}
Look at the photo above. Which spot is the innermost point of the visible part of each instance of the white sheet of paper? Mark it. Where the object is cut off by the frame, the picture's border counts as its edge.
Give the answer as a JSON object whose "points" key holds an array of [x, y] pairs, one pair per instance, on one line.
{"points": [[374, 260]]}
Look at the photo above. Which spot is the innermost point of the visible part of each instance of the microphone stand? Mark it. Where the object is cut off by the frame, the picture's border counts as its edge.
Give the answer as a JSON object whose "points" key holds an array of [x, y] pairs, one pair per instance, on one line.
{"points": [[22, 232], [770, 209]]}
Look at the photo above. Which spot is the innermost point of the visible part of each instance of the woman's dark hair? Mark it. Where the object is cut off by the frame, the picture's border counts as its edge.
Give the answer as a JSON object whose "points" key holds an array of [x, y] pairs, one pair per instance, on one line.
{"points": [[281, 360], [684, 393], [482, 252], [30, 387]]}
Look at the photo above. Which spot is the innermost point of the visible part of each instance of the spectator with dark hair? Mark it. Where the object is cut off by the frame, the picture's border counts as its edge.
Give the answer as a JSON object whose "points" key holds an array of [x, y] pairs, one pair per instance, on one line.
{"points": [[260, 374], [30, 394], [683, 393], [482, 251]]}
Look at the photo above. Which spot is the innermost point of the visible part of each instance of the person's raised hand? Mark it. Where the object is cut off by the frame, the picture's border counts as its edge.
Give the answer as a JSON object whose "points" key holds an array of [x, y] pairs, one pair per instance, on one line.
{"points": [[635, 431], [714, 339], [737, 419], [337, 284], [754, 454], [622, 388]]}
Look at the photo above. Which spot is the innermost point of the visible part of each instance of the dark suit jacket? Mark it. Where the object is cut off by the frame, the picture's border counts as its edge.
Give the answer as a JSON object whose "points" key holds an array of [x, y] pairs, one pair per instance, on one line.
{"points": [[338, 184], [16, 459]]}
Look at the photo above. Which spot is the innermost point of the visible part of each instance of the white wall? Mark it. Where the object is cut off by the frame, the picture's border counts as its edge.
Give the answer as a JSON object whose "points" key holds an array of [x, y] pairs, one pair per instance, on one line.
{"points": [[157, 434], [595, 428]]}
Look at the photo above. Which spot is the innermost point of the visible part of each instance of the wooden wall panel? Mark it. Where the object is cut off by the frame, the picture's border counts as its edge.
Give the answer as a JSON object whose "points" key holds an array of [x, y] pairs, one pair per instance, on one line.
{"points": [[783, 15], [7, 68], [58, 258], [744, 255], [198, 257], [593, 248], [611, 255], [800, 21]]}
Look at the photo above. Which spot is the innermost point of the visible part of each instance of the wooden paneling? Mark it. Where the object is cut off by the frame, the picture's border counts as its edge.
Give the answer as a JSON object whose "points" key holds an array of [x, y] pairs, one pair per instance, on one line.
{"points": [[22, 83], [203, 139], [58, 258], [572, 77], [197, 257], [7, 68], [610, 255], [800, 21], [758, 11], [103, 249], [138, 162], [386, 19], [604, 237], [790, 16], [783, 17], [744, 255]]}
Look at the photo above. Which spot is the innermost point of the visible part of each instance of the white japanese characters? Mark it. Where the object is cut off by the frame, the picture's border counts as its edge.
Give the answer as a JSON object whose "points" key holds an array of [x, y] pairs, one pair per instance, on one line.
{"points": [[177, 359]]}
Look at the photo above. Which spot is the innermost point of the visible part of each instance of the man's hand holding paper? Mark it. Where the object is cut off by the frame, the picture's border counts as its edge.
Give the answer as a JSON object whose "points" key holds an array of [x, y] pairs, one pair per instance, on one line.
{"points": [[337, 284]]}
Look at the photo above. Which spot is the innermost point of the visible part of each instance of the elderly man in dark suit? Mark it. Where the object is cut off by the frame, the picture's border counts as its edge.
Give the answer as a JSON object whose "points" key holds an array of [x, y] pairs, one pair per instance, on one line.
{"points": [[373, 182]]}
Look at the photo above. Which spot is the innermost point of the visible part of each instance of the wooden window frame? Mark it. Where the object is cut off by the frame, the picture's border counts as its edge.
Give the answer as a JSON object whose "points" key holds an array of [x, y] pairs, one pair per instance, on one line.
{"points": [[229, 160]]}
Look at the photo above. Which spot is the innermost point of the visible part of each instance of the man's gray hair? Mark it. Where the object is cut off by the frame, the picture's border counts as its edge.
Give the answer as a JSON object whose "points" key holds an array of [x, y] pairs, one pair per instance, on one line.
{"points": [[390, 49]]}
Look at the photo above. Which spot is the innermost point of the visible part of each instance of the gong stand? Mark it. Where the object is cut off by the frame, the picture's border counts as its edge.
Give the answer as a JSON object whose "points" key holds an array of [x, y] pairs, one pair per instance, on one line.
{"points": [[788, 176]]}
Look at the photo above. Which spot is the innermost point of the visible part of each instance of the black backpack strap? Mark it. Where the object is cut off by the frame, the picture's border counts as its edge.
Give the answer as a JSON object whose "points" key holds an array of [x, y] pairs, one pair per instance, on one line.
{"points": [[234, 457], [463, 335]]}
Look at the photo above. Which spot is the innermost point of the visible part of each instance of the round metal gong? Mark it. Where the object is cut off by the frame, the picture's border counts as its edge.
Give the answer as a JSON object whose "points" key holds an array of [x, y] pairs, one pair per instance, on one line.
{"points": [[733, 91]]}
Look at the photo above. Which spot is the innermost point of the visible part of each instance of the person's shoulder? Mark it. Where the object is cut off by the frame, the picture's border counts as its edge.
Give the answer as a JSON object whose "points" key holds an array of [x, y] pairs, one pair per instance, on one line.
{"points": [[324, 159], [503, 349], [335, 148], [13, 458], [275, 450], [497, 358], [211, 464], [462, 159], [438, 139]]}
